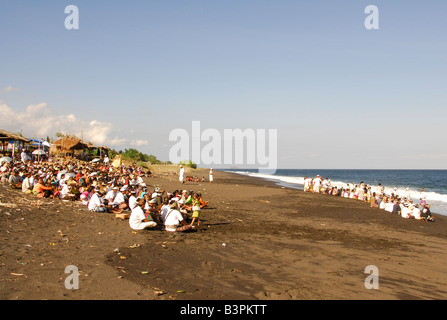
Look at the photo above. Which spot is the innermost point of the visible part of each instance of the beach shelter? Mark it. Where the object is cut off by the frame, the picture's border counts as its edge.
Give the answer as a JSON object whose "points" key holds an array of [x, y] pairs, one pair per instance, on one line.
{"points": [[100, 149], [67, 145], [6, 136]]}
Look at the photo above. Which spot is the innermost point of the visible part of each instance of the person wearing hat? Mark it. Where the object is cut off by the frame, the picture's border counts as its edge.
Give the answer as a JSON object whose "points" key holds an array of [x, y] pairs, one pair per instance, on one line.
{"points": [[137, 219]]}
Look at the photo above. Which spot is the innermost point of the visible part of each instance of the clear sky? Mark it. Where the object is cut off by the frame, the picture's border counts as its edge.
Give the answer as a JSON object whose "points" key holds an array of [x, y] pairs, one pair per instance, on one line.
{"points": [[339, 95]]}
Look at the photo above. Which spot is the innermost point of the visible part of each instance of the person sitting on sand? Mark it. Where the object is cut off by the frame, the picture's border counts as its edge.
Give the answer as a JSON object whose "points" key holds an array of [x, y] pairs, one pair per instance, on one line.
{"points": [[374, 201], [111, 195], [138, 220], [14, 180], [174, 218], [41, 190], [416, 212], [119, 203], [151, 211], [426, 213], [95, 203], [406, 212], [26, 183], [203, 203]]}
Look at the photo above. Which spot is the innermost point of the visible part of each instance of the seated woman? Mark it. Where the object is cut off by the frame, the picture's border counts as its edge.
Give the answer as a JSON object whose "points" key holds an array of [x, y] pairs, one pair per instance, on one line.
{"points": [[14, 180]]}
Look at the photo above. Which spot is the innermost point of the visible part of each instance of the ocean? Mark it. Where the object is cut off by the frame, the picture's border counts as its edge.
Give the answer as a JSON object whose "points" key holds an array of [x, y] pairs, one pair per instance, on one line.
{"points": [[433, 181]]}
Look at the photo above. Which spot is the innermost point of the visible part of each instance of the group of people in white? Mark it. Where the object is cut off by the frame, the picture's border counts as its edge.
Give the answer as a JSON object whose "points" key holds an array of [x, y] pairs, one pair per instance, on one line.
{"points": [[101, 187], [378, 196]]}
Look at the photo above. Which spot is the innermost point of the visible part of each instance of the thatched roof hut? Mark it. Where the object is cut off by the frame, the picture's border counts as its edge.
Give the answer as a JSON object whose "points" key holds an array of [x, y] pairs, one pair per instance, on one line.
{"points": [[8, 136], [67, 145]]}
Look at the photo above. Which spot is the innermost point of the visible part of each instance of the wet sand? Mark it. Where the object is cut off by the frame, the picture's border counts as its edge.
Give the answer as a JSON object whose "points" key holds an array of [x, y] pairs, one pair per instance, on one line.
{"points": [[257, 241]]}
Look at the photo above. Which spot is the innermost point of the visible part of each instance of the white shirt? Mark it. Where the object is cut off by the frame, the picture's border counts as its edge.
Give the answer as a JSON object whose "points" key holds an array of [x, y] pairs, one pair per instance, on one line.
{"points": [[94, 202], [26, 185], [182, 174], [119, 198], [140, 180], [173, 218], [65, 190], [389, 206], [423, 196], [405, 212], [132, 202], [164, 211], [416, 213], [137, 217], [110, 196]]}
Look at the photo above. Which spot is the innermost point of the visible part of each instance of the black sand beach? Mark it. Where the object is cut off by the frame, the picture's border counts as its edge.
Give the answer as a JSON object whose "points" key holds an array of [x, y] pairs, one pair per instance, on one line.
{"points": [[257, 241]]}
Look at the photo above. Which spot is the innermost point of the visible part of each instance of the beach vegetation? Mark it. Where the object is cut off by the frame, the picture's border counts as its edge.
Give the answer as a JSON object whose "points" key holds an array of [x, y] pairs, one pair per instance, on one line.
{"points": [[188, 163], [137, 156]]}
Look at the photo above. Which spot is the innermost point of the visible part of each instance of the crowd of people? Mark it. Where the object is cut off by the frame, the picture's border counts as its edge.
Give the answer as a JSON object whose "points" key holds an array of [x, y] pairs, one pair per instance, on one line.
{"points": [[389, 200], [103, 188]]}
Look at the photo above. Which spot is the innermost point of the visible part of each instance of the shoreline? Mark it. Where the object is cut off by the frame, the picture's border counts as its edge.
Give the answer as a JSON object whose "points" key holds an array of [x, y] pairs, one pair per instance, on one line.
{"points": [[282, 181], [258, 241]]}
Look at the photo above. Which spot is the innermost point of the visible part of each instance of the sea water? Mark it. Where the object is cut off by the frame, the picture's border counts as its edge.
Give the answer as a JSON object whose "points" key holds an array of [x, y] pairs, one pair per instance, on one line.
{"points": [[433, 181]]}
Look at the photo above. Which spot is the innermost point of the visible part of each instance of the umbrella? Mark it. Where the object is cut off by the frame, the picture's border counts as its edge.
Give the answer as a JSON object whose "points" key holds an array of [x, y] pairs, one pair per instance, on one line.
{"points": [[5, 159], [39, 152], [95, 160], [46, 144]]}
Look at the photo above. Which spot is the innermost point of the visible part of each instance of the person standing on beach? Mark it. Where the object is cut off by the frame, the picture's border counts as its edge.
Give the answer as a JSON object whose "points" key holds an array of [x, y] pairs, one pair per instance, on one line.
{"points": [[407, 194], [211, 175], [317, 183], [423, 197], [181, 177], [195, 210], [306, 184]]}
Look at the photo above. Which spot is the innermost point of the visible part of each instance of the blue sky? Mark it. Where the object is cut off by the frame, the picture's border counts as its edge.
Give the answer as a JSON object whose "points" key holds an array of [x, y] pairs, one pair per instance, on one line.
{"points": [[339, 95]]}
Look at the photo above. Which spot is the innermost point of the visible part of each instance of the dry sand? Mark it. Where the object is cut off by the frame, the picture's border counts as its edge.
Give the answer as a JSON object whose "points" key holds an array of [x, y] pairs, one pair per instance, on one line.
{"points": [[257, 241]]}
